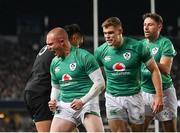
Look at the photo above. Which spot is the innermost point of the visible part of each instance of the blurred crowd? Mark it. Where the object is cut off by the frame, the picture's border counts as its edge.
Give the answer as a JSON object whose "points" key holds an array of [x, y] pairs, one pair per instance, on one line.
{"points": [[16, 121], [15, 66]]}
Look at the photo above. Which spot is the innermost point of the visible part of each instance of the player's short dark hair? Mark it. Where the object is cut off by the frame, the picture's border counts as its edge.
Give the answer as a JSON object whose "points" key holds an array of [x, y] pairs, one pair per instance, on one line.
{"points": [[72, 29], [156, 17], [112, 21]]}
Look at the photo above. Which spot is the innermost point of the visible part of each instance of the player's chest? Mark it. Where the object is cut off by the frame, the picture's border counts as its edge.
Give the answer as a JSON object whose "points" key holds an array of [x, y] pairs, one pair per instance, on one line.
{"points": [[121, 59], [69, 69], [156, 52]]}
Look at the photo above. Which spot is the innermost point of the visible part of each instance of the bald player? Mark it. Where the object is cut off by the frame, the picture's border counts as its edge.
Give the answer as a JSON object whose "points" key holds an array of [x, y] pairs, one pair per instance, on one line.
{"points": [[76, 81]]}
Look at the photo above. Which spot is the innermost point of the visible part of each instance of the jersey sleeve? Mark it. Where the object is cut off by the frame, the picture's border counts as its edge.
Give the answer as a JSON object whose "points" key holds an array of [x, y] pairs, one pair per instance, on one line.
{"points": [[145, 53], [168, 49], [97, 56], [90, 63]]}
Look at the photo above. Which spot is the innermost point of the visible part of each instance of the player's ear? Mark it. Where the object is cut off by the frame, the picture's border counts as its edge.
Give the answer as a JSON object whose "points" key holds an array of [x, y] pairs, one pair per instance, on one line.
{"points": [[74, 37], [160, 26], [120, 30]]}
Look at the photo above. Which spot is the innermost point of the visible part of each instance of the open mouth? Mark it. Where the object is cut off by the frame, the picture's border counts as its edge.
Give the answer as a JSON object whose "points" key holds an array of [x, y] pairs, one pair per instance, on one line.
{"points": [[109, 41], [146, 33]]}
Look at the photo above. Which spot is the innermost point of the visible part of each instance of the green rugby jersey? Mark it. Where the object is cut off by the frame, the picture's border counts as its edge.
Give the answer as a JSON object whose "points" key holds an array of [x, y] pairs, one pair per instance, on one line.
{"points": [[161, 47], [123, 66], [71, 74]]}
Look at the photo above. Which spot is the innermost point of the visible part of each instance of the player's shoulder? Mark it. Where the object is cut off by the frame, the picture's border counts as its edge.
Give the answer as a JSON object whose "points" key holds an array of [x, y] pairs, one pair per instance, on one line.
{"points": [[102, 47], [143, 40], [164, 39], [132, 42], [81, 51], [55, 60]]}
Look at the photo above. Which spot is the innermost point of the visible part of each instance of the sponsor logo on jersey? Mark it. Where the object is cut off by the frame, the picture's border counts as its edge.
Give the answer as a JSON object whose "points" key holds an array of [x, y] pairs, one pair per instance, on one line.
{"points": [[72, 66], [107, 58], [155, 50], [119, 67], [42, 50], [57, 69], [66, 77], [127, 55]]}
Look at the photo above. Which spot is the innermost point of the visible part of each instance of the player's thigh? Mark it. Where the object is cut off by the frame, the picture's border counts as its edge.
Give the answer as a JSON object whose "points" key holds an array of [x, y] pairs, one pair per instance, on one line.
{"points": [[43, 126], [118, 125], [169, 111], [136, 112], [148, 120], [148, 101], [115, 108], [93, 123], [171, 99], [91, 118], [135, 109], [62, 125], [137, 127], [170, 126]]}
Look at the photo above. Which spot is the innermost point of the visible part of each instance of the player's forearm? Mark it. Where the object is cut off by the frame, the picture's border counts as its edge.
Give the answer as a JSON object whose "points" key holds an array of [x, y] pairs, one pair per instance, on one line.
{"points": [[95, 90], [98, 86], [156, 76], [156, 79], [54, 93]]}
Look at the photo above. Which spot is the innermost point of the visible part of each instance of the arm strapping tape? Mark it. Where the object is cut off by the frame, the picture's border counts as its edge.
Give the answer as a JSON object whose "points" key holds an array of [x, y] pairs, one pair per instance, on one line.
{"points": [[97, 87], [54, 92]]}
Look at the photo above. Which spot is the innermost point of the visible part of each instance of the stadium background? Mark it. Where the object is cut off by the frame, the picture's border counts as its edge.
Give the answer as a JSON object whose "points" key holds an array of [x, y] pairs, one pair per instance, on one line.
{"points": [[23, 26]]}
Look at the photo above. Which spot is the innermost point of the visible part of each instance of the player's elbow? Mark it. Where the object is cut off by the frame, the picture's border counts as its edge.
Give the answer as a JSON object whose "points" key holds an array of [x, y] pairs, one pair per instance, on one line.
{"points": [[165, 71]]}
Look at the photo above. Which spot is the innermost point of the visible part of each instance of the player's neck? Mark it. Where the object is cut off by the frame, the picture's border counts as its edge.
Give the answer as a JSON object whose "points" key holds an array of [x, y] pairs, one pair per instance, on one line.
{"points": [[120, 43], [67, 50], [153, 39]]}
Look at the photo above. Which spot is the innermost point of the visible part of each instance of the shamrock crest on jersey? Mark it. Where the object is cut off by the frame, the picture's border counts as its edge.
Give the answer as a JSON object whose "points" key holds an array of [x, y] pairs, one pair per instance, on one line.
{"points": [[155, 50], [127, 55], [57, 69], [66, 77], [119, 67], [72, 66]]}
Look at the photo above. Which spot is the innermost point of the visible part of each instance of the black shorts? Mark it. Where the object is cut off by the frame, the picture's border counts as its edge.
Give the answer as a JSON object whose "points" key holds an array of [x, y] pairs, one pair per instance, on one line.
{"points": [[37, 105]]}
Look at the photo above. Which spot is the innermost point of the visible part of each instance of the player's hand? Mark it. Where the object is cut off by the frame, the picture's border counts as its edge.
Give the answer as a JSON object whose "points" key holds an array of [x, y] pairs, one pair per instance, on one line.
{"points": [[157, 104], [76, 104], [52, 105]]}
